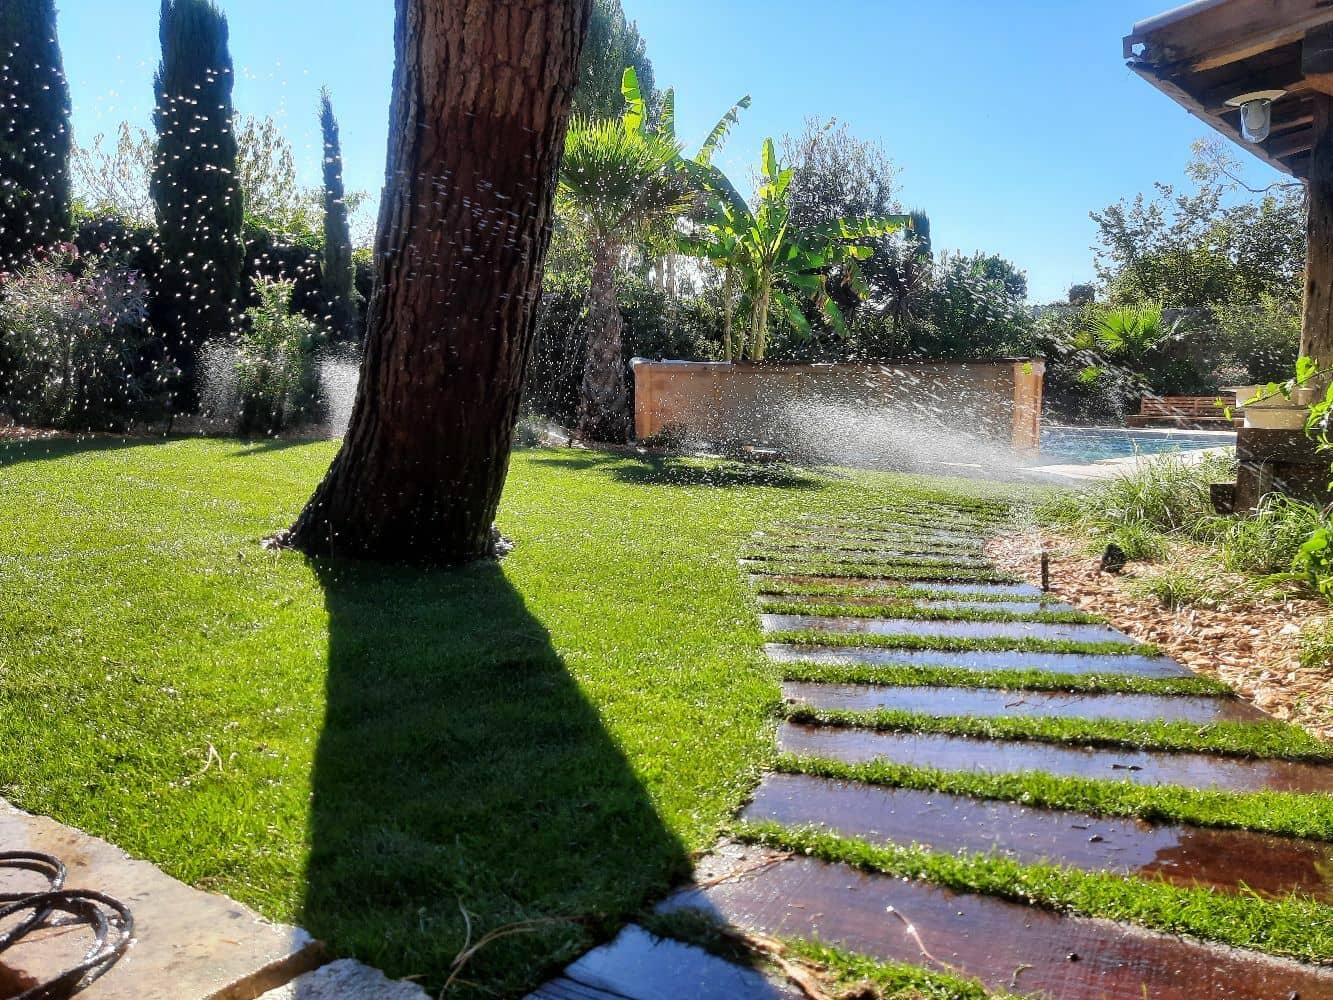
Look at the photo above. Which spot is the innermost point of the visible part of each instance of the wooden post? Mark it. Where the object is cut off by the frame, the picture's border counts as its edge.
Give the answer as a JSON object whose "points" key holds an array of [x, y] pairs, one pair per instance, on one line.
{"points": [[1317, 327]]}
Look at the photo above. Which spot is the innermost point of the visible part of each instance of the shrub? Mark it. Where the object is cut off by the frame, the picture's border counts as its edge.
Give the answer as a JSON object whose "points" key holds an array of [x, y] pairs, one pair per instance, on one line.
{"points": [[1317, 646], [1266, 541], [277, 373], [73, 331], [1168, 495]]}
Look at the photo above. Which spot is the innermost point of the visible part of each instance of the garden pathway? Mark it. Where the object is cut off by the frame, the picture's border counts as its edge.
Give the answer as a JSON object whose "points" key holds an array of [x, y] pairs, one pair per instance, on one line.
{"points": [[932, 707]]}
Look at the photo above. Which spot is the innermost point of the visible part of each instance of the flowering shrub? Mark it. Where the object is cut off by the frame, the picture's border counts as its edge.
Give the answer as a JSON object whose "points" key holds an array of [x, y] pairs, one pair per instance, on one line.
{"points": [[277, 373], [73, 329]]}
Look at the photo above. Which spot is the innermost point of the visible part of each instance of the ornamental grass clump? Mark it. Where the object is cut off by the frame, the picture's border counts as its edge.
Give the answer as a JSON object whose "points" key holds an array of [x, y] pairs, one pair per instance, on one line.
{"points": [[73, 331]]}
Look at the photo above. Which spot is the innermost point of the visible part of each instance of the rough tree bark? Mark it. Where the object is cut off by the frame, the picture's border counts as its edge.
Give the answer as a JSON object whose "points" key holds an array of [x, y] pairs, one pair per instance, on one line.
{"points": [[1317, 328], [482, 90], [604, 401]]}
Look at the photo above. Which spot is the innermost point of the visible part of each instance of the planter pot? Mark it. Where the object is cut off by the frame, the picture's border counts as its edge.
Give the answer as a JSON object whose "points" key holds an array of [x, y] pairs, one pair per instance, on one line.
{"points": [[1276, 418], [1301, 397]]}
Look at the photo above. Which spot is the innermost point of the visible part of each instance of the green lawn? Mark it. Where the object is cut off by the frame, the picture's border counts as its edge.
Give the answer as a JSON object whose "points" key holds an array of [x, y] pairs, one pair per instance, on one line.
{"points": [[376, 752]]}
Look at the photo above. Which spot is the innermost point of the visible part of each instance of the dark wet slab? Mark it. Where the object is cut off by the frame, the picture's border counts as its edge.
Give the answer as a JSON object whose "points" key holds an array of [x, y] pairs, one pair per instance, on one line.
{"points": [[761, 580], [1063, 632], [859, 559], [992, 703], [1130, 664], [1230, 860], [1140, 767], [899, 574], [866, 552], [886, 601], [1008, 946], [638, 965]]}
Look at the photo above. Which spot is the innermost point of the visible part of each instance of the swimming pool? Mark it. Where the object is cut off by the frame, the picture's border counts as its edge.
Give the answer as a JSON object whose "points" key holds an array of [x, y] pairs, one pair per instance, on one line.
{"points": [[1092, 444]]}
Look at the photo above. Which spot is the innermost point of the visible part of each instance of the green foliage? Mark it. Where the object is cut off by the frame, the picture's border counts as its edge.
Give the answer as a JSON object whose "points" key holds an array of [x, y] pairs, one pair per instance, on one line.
{"points": [[35, 137], [1266, 541], [195, 184], [777, 266], [1175, 588], [338, 270], [973, 307], [274, 199], [73, 329], [1168, 495], [277, 373], [613, 43]]}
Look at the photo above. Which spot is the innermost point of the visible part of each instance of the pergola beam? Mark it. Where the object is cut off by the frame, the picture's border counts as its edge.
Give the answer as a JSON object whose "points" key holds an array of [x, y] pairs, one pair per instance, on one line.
{"points": [[1212, 33]]}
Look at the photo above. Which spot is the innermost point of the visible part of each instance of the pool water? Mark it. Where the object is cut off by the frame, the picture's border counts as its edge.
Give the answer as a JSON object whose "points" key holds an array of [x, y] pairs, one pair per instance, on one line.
{"points": [[1092, 444]]}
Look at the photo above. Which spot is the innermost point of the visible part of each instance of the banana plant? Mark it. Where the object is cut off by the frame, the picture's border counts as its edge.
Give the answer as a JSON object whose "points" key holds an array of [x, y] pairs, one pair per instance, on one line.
{"points": [[774, 265]]}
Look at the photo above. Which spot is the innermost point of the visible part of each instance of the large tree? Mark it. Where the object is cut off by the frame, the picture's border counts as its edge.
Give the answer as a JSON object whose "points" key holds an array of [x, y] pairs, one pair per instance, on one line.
{"points": [[481, 99], [34, 131], [338, 271], [613, 43], [195, 186]]}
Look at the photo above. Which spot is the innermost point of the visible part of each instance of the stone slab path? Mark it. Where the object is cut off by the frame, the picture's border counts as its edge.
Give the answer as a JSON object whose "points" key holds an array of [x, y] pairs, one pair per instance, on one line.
{"points": [[918, 579], [188, 944]]}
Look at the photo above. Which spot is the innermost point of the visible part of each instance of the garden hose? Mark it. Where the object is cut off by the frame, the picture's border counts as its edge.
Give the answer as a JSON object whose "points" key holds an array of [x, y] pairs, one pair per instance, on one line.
{"points": [[111, 922]]}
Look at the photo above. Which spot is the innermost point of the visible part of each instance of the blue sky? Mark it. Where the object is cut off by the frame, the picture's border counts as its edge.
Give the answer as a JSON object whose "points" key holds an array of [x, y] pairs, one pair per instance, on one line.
{"points": [[1009, 121]]}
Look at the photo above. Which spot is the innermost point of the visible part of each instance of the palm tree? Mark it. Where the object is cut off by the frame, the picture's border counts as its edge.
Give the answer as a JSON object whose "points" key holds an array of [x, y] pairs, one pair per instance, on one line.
{"points": [[623, 185], [618, 181]]}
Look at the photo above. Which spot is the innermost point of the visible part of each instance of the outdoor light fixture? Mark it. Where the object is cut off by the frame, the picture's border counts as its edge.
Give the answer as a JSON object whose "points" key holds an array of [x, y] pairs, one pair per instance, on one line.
{"points": [[1256, 113]]}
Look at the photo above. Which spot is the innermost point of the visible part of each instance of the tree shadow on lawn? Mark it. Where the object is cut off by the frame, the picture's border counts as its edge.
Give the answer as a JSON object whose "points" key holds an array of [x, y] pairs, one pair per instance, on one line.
{"points": [[676, 470], [461, 768], [16, 452]]}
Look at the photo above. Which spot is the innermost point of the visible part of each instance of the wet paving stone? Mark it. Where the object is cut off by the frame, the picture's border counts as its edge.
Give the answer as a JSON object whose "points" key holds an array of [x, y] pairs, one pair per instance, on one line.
{"points": [[1230, 860], [882, 552], [865, 559], [1008, 946], [991, 703], [989, 589], [638, 965], [949, 629], [1140, 767], [1082, 664], [877, 601]]}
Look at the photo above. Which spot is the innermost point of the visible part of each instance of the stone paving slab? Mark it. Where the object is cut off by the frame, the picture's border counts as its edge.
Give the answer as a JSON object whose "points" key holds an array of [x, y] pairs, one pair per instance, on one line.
{"points": [[1131, 664], [762, 580], [1140, 767], [993, 703], [1009, 946], [189, 945], [640, 966], [878, 601], [1230, 860], [347, 980], [1055, 632]]}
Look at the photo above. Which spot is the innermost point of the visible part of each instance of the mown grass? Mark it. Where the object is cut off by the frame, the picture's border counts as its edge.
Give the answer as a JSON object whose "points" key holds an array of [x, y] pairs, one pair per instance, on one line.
{"points": [[1019, 644], [1284, 813], [1295, 926], [1265, 739], [389, 755], [1013, 680], [916, 612]]}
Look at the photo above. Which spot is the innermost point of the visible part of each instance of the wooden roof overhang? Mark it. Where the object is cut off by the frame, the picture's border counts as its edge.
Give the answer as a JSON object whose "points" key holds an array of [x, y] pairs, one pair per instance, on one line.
{"points": [[1208, 52]]}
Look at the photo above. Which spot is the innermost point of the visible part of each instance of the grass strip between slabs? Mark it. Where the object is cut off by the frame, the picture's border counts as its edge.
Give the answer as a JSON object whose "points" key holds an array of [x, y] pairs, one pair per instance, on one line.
{"points": [[1008, 680], [1267, 740], [1285, 813], [916, 612], [1023, 644], [1294, 926], [839, 968]]}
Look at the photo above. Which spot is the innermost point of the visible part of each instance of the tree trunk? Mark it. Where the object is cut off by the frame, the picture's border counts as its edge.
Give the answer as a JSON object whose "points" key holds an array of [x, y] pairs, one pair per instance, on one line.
{"points": [[728, 312], [604, 403], [482, 90], [1317, 328]]}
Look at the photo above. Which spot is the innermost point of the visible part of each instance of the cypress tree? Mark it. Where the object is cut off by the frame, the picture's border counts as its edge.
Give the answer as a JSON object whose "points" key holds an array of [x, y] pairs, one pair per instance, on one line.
{"points": [[339, 273], [195, 187], [34, 131]]}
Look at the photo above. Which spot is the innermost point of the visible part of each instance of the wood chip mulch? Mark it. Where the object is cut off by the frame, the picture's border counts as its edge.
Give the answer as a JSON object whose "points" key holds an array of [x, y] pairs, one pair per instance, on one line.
{"points": [[1252, 643]]}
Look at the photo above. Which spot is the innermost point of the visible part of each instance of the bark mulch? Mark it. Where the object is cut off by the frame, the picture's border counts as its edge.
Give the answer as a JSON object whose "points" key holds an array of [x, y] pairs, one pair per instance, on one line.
{"points": [[1249, 640]]}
